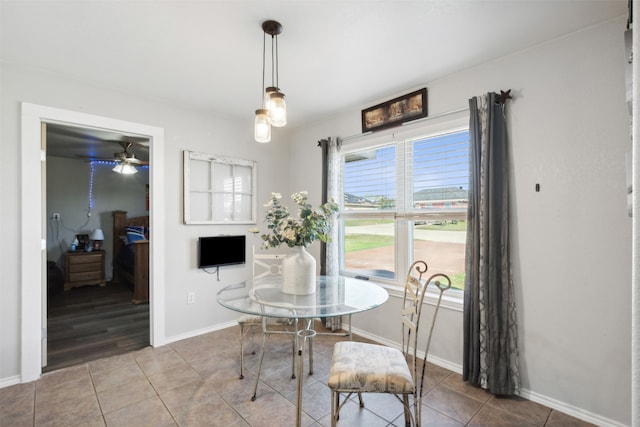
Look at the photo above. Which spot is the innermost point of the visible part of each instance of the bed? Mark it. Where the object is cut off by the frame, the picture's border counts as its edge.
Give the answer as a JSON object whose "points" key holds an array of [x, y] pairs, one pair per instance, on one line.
{"points": [[131, 253]]}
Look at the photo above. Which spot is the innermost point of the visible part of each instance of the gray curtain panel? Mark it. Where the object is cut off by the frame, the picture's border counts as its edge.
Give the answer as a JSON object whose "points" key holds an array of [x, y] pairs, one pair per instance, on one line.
{"points": [[490, 322], [329, 256]]}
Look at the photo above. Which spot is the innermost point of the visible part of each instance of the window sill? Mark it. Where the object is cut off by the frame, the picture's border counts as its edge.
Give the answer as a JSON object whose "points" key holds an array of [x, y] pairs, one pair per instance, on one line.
{"points": [[451, 300]]}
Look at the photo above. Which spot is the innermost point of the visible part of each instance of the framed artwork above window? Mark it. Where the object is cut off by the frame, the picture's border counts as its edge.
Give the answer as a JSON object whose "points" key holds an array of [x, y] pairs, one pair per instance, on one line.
{"points": [[395, 112], [218, 189]]}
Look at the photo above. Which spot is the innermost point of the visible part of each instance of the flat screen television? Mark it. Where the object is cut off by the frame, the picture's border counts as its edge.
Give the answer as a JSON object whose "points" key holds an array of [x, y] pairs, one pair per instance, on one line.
{"points": [[217, 251]]}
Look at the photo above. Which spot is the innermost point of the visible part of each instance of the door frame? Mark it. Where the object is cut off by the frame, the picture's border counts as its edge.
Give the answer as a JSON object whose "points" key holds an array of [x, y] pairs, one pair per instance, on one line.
{"points": [[33, 194]]}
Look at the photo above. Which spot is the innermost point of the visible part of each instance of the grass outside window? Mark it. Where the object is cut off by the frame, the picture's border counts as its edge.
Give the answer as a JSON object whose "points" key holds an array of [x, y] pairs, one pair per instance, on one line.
{"points": [[358, 246]]}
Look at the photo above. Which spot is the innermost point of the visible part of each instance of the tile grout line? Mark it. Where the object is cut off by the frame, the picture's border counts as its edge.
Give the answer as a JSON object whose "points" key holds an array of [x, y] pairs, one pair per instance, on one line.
{"points": [[156, 390], [95, 391], [35, 394], [205, 382]]}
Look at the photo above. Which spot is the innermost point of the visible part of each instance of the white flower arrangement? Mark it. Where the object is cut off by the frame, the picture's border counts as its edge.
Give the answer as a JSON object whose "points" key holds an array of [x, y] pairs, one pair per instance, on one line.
{"points": [[309, 226]]}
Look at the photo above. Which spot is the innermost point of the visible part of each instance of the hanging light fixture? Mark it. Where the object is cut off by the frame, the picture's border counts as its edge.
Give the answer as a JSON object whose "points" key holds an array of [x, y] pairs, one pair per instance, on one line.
{"points": [[262, 125], [125, 168], [274, 107]]}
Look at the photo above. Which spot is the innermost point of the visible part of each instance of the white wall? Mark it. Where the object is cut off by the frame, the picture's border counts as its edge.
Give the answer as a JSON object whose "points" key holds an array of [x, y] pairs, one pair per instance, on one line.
{"points": [[571, 241], [68, 195], [184, 129]]}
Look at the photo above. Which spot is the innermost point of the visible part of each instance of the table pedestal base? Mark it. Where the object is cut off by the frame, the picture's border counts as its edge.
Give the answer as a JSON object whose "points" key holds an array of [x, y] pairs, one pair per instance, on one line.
{"points": [[302, 336]]}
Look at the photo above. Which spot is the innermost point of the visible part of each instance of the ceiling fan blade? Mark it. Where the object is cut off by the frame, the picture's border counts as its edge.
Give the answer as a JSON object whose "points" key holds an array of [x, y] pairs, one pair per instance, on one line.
{"points": [[95, 159], [128, 141], [134, 161]]}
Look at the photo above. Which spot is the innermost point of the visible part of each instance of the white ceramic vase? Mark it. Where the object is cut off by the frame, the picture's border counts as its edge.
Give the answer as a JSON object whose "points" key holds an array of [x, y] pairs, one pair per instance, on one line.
{"points": [[299, 272]]}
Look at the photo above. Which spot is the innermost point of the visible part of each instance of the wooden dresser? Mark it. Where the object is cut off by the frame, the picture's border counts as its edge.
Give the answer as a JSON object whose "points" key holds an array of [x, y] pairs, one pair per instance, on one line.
{"points": [[83, 268]]}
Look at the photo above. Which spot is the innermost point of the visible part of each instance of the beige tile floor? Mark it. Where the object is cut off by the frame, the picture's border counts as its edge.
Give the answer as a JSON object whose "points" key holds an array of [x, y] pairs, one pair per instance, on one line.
{"points": [[195, 382]]}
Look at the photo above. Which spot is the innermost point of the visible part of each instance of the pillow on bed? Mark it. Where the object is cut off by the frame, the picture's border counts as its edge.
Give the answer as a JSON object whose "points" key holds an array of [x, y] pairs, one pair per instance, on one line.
{"points": [[135, 233]]}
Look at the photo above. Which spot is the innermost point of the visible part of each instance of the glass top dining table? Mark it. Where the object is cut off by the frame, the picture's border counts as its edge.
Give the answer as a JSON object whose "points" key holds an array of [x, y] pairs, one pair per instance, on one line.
{"points": [[334, 296]]}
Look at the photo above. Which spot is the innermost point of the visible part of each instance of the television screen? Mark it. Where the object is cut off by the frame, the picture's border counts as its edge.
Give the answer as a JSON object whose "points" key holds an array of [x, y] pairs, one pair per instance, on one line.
{"points": [[221, 250]]}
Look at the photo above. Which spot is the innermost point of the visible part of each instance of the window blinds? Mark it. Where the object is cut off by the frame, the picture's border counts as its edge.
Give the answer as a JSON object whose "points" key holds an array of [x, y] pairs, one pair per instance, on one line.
{"points": [[424, 175]]}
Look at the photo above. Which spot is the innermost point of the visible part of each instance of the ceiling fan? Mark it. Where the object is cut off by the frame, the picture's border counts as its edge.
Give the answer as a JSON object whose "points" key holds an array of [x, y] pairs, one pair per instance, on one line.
{"points": [[125, 161]]}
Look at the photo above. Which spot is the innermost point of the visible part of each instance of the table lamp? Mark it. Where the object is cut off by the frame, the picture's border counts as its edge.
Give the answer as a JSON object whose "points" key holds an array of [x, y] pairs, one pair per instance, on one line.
{"points": [[97, 236]]}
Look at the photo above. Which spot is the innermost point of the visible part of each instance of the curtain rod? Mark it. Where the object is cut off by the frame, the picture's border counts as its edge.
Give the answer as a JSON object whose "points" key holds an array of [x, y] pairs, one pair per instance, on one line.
{"points": [[424, 119]]}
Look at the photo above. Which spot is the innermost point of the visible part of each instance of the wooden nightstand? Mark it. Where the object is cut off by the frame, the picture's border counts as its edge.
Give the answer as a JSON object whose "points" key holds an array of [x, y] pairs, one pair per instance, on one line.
{"points": [[83, 268]]}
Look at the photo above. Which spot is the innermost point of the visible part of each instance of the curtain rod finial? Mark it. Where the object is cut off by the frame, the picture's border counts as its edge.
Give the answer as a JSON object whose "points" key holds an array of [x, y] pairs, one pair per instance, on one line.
{"points": [[502, 98]]}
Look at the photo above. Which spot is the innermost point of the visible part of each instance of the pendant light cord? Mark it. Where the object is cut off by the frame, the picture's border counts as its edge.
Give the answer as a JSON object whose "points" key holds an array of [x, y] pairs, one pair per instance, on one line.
{"points": [[277, 69], [272, 63], [264, 47]]}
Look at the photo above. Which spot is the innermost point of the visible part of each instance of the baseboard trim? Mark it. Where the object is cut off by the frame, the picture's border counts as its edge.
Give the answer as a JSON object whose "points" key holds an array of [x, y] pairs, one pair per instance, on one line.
{"points": [[197, 332], [9, 381], [445, 364], [574, 411]]}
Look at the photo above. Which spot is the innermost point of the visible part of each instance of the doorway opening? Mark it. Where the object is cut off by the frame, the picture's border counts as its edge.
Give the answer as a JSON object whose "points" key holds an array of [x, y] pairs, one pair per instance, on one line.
{"points": [[91, 312], [34, 225]]}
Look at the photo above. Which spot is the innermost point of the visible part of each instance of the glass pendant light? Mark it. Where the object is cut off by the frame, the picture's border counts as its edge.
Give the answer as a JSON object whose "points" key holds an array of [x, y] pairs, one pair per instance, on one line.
{"points": [[262, 127], [267, 96], [274, 102], [278, 109], [274, 108]]}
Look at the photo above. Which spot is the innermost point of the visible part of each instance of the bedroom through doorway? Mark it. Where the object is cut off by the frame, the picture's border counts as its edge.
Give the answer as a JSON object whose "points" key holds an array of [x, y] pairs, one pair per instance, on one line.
{"points": [[92, 304]]}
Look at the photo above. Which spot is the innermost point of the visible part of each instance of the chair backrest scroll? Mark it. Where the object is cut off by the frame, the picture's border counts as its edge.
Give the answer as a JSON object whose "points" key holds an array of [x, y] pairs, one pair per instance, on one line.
{"points": [[266, 264]]}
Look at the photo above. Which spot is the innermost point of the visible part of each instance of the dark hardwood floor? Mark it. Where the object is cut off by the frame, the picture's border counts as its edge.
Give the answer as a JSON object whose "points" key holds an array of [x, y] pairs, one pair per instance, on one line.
{"points": [[90, 322]]}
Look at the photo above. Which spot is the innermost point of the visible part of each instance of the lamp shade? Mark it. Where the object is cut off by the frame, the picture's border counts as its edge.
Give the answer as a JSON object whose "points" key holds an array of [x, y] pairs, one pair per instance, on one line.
{"points": [[125, 169], [97, 234]]}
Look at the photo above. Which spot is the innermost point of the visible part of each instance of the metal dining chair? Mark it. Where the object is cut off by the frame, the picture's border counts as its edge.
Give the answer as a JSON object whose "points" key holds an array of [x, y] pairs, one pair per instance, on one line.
{"points": [[358, 367], [264, 266]]}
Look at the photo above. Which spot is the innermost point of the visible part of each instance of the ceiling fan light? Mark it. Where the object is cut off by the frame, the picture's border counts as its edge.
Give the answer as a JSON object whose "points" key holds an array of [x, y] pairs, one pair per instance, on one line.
{"points": [[262, 128], [125, 169], [277, 109]]}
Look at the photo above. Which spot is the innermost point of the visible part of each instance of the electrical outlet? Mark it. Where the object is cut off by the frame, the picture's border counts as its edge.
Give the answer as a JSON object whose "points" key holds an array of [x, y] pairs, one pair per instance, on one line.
{"points": [[56, 216], [191, 297]]}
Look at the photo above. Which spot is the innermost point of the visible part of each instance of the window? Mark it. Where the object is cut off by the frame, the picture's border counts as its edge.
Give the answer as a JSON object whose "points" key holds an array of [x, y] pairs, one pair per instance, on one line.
{"points": [[406, 199]]}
